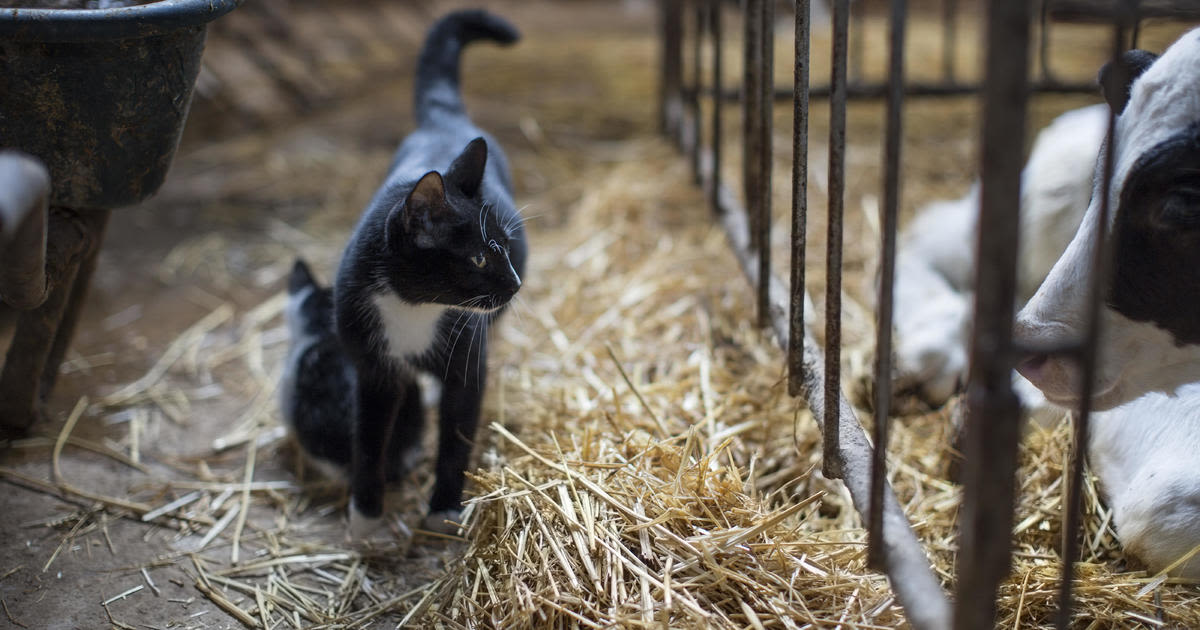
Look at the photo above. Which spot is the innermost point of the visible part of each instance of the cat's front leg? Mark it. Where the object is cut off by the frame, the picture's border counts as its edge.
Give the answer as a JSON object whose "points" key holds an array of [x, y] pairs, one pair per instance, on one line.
{"points": [[379, 399], [458, 418]]}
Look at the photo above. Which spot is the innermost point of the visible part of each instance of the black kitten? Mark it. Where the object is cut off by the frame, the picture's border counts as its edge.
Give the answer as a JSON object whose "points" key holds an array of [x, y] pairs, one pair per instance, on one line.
{"points": [[317, 389], [436, 256], [316, 393]]}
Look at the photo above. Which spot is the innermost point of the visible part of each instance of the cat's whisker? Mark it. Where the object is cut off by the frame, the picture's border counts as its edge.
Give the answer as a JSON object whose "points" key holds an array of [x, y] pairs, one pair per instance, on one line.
{"points": [[467, 314], [520, 221], [470, 346], [516, 299], [480, 355], [450, 353], [482, 215]]}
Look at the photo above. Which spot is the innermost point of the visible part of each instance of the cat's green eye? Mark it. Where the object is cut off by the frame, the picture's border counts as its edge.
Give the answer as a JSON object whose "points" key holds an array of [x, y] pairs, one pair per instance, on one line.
{"points": [[480, 260]]}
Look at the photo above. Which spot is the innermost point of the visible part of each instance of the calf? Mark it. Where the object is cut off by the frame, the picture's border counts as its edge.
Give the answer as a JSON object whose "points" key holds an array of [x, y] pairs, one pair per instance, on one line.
{"points": [[936, 263], [1144, 453], [1150, 332], [1143, 448]]}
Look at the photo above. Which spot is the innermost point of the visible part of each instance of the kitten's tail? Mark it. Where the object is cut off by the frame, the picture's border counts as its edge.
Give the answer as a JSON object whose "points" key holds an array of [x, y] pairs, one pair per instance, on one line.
{"points": [[437, 86]]}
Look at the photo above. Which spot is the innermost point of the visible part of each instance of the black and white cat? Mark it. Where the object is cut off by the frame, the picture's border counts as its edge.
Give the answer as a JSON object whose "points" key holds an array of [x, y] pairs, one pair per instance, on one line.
{"points": [[316, 394], [435, 258]]}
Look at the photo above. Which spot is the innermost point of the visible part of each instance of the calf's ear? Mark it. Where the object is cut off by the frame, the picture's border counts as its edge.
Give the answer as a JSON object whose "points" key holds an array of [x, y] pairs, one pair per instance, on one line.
{"points": [[1116, 78]]}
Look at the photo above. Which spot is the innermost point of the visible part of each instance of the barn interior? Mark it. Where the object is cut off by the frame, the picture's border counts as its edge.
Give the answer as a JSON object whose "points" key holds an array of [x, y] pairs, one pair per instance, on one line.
{"points": [[639, 463]]}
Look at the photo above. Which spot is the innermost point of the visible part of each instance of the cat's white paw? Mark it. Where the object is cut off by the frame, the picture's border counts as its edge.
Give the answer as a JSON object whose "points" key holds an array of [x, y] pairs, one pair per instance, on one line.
{"points": [[443, 522], [361, 525]]}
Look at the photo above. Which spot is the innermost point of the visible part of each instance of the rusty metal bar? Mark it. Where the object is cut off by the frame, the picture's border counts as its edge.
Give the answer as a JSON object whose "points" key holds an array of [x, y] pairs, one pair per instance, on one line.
{"points": [[831, 465], [714, 24], [908, 568], [875, 91], [1106, 12], [795, 343], [949, 38], [697, 84], [751, 112], [917, 588], [889, 220], [765, 158], [671, 56], [1044, 41], [858, 41], [993, 428], [1088, 356]]}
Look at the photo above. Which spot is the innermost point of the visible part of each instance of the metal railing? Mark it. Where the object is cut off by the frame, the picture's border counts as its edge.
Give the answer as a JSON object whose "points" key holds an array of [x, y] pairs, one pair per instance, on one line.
{"points": [[993, 426]]}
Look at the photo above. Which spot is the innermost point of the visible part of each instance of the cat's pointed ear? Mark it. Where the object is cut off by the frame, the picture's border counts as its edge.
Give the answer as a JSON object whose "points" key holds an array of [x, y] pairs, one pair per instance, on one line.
{"points": [[466, 173], [422, 211], [428, 195], [301, 277]]}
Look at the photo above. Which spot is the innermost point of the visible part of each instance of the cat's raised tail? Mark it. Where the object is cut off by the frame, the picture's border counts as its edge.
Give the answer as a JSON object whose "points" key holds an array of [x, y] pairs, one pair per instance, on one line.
{"points": [[437, 87]]}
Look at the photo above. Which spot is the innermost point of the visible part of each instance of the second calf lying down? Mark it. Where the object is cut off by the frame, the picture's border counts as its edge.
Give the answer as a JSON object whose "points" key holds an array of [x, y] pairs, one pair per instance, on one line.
{"points": [[935, 263]]}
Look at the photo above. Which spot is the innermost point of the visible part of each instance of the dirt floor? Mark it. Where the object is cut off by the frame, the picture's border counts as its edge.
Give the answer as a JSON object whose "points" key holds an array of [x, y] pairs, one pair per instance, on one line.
{"points": [[216, 242], [173, 370]]}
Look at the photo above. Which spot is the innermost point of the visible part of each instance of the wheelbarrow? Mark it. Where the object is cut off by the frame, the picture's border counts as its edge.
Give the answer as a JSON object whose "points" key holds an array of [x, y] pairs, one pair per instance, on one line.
{"points": [[92, 104]]}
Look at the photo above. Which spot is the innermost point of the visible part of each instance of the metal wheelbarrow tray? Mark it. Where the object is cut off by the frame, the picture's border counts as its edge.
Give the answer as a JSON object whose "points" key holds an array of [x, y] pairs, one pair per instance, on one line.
{"points": [[100, 96]]}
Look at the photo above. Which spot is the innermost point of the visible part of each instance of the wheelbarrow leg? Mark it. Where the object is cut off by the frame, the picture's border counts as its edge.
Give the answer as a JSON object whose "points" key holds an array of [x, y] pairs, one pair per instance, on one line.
{"points": [[43, 333], [98, 220]]}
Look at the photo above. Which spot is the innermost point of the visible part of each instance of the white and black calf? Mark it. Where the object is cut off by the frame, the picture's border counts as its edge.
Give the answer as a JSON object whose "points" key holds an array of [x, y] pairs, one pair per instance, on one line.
{"points": [[1143, 446], [935, 264], [1151, 316]]}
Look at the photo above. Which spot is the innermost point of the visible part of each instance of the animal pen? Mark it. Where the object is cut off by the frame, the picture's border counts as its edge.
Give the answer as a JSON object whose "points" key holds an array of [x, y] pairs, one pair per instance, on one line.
{"points": [[693, 30], [640, 462]]}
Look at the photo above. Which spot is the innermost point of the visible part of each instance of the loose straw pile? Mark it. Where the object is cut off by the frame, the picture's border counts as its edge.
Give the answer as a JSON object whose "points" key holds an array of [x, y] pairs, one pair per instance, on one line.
{"points": [[639, 463]]}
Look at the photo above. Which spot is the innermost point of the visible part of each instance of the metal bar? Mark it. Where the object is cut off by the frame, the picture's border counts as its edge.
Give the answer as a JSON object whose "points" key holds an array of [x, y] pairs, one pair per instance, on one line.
{"points": [[831, 466], [857, 50], [876, 91], [697, 85], [993, 426], [1107, 12], [1044, 41], [751, 112], [1088, 358], [949, 38], [717, 39], [671, 82], [908, 568], [889, 220], [795, 344], [765, 158]]}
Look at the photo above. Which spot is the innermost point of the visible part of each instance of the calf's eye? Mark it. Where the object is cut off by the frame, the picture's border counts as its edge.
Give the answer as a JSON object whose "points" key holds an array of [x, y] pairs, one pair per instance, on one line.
{"points": [[480, 260], [1180, 211]]}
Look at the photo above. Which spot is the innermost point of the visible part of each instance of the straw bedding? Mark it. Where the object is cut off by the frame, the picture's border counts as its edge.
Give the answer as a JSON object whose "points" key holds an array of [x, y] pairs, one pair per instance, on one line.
{"points": [[639, 463]]}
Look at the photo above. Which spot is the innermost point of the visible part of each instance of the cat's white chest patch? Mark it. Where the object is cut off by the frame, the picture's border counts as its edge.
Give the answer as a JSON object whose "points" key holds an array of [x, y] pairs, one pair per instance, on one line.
{"points": [[409, 330]]}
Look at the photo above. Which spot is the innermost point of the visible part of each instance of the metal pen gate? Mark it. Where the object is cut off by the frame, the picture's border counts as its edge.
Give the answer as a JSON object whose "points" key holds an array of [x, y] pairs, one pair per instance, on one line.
{"points": [[993, 427]]}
